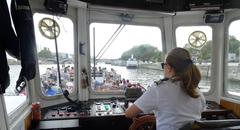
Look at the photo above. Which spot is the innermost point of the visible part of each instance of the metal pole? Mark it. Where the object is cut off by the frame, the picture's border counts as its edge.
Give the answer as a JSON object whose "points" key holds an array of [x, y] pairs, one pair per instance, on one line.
{"points": [[56, 47], [94, 58], [4, 124]]}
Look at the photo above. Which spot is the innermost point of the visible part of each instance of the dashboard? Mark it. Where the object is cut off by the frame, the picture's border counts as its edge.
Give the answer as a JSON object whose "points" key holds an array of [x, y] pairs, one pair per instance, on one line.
{"points": [[93, 108], [92, 114], [106, 114]]}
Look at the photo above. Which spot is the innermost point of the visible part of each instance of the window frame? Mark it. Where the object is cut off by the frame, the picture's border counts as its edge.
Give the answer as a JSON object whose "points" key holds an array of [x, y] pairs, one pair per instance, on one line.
{"points": [[211, 90], [37, 80], [94, 94], [13, 115], [226, 50]]}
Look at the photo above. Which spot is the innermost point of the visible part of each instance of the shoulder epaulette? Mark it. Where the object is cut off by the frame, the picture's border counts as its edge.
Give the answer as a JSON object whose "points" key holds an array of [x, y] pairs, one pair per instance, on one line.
{"points": [[161, 81], [158, 82]]}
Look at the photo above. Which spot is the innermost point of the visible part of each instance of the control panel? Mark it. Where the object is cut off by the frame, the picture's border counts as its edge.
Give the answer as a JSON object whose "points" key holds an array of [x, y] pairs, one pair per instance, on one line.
{"points": [[67, 111], [106, 108], [63, 112], [85, 109], [103, 113], [106, 112]]}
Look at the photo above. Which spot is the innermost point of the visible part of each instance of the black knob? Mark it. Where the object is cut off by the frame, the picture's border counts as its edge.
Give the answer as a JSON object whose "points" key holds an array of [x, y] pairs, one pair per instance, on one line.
{"points": [[126, 104], [114, 105], [71, 109]]}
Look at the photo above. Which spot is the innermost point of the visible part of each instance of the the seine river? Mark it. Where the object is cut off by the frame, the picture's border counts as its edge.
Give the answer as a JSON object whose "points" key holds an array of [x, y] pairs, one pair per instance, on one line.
{"points": [[143, 76]]}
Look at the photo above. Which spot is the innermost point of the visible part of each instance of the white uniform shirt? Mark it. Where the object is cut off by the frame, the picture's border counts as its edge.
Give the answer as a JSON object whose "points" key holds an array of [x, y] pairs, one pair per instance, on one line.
{"points": [[171, 105]]}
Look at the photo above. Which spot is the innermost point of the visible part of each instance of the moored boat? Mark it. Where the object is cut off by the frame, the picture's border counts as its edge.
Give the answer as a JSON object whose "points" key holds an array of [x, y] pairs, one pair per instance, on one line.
{"points": [[132, 63]]}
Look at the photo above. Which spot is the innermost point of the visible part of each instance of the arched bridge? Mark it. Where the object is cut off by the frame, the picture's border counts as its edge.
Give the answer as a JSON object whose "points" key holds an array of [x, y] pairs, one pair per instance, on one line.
{"points": [[61, 61]]}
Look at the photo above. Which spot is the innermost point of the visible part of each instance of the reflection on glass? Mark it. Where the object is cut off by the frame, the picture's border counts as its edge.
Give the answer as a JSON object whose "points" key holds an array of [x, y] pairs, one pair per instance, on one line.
{"points": [[233, 67], [45, 27], [126, 56], [198, 41]]}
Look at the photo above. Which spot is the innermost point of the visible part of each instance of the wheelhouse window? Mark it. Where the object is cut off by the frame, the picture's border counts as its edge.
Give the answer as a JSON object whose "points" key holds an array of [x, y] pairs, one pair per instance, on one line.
{"points": [[198, 41], [124, 56], [52, 31], [232, 86]]}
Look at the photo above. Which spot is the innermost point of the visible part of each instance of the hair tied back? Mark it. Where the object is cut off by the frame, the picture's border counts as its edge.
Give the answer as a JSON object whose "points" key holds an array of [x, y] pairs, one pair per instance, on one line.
{"points": [[188, 61]]}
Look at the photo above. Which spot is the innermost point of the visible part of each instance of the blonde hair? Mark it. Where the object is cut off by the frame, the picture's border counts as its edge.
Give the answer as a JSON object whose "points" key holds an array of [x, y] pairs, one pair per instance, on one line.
{"points": [[187, 72]]}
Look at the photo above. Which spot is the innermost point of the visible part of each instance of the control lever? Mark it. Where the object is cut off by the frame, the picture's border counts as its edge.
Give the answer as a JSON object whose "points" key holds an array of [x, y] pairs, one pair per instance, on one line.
{"points": [[113, 98], [114, 105], [71, 109], [58, 111], [126, 104]]}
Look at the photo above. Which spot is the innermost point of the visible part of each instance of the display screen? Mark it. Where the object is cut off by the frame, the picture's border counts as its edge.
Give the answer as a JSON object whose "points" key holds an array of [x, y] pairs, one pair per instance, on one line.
{"points": [[214, 18]]}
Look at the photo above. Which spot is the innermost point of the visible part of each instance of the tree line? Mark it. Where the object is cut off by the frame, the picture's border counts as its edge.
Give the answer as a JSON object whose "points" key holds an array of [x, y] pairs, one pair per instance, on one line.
{"points": [[204, 53], [146, 52]]}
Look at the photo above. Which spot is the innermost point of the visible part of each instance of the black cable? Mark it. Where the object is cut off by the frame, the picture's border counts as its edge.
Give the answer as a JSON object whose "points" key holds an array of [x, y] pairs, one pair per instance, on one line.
{"points": [[64, 92], [56, 48]]}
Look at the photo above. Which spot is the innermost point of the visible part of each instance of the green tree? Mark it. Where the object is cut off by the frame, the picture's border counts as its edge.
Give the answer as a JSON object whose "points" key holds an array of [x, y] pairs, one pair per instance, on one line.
{"points": [[144, 52], [192, 51], [45, 53], [200, 54], [234, 45], [206, 51]]}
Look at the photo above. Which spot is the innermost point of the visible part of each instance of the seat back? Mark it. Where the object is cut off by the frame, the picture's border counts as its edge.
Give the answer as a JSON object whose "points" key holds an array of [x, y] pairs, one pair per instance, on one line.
{"points": [[132, 94], [212, 124], [146, 122]]}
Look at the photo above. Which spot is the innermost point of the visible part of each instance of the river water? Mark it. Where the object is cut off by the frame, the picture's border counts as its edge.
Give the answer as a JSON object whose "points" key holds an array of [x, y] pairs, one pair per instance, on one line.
{"points": [[143, 76]]}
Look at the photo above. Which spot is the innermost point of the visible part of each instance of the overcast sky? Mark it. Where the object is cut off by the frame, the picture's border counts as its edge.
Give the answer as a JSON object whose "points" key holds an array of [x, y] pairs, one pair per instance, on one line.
{"points": [[129, 37], [182, 33], [64, 40], [135, 35], [234, 29]]}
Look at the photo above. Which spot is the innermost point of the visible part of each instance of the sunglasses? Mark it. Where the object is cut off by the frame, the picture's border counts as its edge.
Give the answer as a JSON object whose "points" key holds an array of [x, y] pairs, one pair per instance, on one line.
{"points": [[162, 65]]}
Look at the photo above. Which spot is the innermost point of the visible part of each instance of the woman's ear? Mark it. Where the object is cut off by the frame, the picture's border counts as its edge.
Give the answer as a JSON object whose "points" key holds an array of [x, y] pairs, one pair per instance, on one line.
{"points": [[170, 69]]}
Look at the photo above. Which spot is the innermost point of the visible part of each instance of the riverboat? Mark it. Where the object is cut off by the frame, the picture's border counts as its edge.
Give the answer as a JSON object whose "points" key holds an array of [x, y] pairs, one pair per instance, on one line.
{"points": [[132, 63]]}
